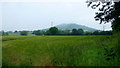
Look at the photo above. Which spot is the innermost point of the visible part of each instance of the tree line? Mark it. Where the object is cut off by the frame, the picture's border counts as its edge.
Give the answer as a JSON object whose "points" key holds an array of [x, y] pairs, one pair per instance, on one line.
{"points": [[56, 31]]}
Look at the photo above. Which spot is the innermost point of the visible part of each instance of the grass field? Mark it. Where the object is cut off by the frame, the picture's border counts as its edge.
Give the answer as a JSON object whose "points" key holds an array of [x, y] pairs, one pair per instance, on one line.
{"points": [[57, 51]]}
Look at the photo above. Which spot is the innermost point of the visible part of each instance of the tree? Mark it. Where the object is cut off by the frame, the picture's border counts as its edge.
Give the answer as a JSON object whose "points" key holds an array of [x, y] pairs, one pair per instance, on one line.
{"points": [[80, 31], [96, 32], [64, 32], [88, 33], [75, 32], [52, 31], [37, 32], [106, 33], [15, 31], [110, 12], [4, 33], [23, 32]]}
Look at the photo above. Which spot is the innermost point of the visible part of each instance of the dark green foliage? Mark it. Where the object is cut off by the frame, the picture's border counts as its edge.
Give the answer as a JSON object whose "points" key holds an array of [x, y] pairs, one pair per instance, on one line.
{"points": [[99, 33], [88, 33], [4, 33], [52, 31], [74, 32], [110, 12], [15, 31], [116, 25], [23, 32], [111, 49], [96, 33], [77, 32], [37, 32], [102, 33], [64, 32], [56, 32], [80, 31], [106, 32]]}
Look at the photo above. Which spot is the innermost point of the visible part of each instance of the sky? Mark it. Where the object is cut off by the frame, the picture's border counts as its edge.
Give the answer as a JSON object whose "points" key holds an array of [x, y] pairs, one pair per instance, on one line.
{"points": [[38, 14]]}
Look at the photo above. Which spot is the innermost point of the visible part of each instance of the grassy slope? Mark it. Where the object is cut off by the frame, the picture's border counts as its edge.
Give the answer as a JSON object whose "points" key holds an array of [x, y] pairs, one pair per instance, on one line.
{"points": [[56, 51]]}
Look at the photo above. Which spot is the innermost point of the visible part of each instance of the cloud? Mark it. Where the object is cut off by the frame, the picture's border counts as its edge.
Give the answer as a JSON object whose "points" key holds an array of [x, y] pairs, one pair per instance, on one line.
{"points": [[42, 0]]}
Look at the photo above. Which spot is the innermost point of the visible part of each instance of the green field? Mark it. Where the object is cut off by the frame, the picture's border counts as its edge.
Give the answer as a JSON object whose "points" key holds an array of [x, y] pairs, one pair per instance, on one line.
{"points": [[58, 51]]}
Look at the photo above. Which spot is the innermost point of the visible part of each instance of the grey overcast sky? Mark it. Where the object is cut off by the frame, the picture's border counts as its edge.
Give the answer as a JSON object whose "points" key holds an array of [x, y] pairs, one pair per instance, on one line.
{"points": [[39, 15]]}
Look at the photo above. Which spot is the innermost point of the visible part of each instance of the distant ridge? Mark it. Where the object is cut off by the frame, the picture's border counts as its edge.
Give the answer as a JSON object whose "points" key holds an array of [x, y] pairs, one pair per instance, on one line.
{"points": [[75, 26], [71, 26]]}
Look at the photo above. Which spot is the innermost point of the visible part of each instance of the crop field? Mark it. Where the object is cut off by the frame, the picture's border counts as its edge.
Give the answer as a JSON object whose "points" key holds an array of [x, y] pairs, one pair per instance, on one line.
{"points": [[57, 51]]}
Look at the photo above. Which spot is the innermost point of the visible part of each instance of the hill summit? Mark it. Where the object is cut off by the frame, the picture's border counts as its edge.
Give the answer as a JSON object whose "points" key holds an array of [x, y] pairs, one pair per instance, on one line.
{"points": [[74, 26]]}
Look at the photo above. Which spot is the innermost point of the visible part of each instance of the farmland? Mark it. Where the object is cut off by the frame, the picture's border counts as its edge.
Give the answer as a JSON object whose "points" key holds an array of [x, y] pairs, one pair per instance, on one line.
{"points": [[58, 51]]}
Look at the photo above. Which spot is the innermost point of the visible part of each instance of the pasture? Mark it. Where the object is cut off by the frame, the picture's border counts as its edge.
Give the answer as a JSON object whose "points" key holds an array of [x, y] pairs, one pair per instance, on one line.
{"points": [[56, 51]]}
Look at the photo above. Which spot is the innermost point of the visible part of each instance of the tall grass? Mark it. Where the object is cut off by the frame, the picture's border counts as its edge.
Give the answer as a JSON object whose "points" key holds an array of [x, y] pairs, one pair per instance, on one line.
{"points": [[56, 51]]}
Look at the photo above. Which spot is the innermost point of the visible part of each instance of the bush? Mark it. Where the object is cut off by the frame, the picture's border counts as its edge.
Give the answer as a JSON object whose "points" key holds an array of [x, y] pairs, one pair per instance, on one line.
{"points": [[23, 32], [37, 32]]}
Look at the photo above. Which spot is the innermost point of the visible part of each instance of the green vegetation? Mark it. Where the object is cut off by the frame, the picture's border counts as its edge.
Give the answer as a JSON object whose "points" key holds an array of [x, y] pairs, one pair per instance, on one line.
{"points": [[77, 32], [2, 33], [108, 12], [77, 50], [55, 31], [52, 31], [23, 33], [37, 32], [60, 51]]}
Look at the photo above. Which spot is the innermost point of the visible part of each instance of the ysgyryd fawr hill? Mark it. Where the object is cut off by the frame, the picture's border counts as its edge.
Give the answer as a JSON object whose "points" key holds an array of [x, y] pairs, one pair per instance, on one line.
{"points": [[74, 26]]}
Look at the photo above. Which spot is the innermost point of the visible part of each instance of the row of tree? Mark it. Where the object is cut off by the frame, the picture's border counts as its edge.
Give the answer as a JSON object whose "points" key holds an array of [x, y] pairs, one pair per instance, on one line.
{"points": [[56, 31]]}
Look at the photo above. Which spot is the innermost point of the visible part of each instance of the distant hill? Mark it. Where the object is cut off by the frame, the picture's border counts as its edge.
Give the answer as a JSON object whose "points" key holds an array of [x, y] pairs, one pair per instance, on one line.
{"points": [[76, 26], [73, 26]]}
